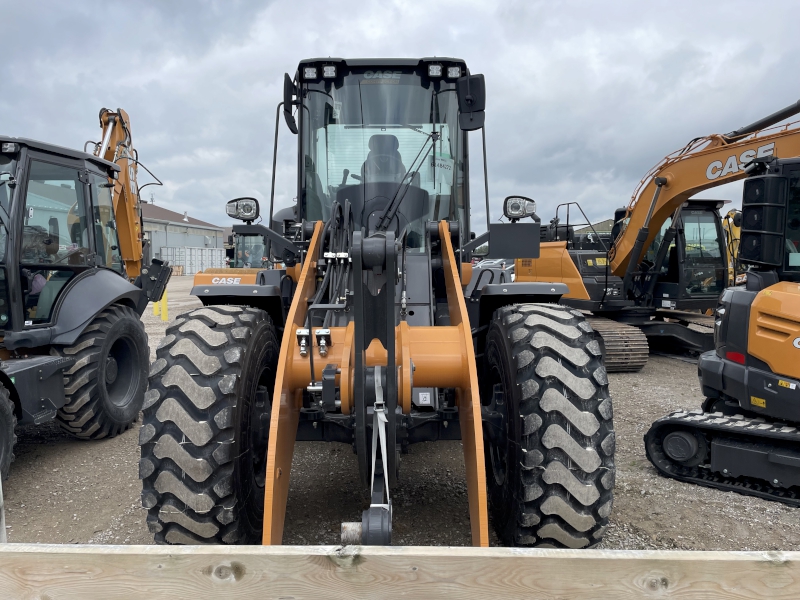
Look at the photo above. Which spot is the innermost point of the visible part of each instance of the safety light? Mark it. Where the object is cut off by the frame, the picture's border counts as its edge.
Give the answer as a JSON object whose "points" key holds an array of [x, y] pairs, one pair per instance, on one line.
{"points": [[434, 70], [329, 72], [518, 207], [10, 147], [453, 72], [309, 72], [244, 209]]}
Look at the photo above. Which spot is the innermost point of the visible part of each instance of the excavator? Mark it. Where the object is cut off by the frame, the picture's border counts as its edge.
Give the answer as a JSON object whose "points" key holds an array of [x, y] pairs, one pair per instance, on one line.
{"points": [[746, 436], [665, 261], [371, 329], [73, 284]]}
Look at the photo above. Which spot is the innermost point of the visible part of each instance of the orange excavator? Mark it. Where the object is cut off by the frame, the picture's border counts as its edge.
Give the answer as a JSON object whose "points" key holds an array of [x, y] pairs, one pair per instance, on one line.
{"points": [[666, 259]]}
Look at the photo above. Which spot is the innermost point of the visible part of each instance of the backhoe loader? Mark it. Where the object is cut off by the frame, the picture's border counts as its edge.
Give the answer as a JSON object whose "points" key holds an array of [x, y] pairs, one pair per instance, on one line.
{"points": [[372, 330], [745, 437], [72, 286], [665, 262]]}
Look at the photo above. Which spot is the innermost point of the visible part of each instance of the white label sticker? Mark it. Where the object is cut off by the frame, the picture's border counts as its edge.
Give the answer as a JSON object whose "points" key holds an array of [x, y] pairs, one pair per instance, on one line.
{"points": [[667, 304], [424, 399]]}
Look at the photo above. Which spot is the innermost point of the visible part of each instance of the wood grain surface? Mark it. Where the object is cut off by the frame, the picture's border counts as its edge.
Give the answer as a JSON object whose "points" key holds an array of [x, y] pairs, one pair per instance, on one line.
{"points": [[87, 572]]}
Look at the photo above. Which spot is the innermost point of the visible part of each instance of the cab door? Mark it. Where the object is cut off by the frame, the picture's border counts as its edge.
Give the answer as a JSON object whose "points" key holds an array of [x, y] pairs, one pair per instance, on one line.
{"points": [[56, 243]]}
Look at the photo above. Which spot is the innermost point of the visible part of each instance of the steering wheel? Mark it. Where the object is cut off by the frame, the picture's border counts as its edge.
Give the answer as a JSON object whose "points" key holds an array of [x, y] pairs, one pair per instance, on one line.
{"points": [[71, 253], [384, 165]]}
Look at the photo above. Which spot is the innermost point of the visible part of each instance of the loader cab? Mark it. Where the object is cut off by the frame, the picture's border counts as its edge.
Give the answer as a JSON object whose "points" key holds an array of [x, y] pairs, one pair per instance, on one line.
{"points": [[57, 223], [372, 131], [694, 270]]}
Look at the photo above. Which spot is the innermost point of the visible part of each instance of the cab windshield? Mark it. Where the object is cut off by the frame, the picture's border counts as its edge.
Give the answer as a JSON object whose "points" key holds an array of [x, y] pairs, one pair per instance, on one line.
{"points": [[373, 137]]}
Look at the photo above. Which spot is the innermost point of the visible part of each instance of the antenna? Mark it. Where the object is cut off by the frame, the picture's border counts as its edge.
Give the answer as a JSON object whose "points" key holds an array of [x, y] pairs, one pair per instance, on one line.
{"points": [[152, 198]]}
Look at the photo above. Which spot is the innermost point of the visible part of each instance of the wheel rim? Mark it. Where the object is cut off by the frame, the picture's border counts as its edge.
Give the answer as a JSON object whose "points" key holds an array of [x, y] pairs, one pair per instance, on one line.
{"points": [[259, 417], [498, 452], [121, 372]]}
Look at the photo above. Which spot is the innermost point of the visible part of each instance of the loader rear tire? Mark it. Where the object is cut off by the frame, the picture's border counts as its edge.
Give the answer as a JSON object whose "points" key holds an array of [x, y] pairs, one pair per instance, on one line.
{"points": [[105, 387], [8, 422], [205, 429], [550, 475]]}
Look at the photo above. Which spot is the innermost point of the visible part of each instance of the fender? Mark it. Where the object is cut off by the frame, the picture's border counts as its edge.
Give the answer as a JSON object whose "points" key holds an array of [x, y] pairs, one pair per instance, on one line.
{"points": [[82, 301]]}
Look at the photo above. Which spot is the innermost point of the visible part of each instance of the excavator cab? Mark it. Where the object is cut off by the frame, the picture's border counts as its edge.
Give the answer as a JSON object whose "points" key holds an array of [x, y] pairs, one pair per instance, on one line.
{"points": [[694, 272]]}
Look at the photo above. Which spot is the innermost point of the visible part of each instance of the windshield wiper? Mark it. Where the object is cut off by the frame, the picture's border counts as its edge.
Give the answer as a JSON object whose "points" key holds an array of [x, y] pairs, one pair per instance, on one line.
{"points": [[391, 209]]}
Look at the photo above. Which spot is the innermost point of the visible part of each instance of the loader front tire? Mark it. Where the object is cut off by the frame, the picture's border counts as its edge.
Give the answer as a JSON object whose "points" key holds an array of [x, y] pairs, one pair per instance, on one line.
{"points": [[105, 386], [8, 421], [205, 429], [550, 448]]}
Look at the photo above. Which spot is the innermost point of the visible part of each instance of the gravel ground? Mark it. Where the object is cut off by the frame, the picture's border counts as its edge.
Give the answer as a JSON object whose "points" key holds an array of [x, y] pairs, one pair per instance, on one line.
{"points": [[63, 490]]}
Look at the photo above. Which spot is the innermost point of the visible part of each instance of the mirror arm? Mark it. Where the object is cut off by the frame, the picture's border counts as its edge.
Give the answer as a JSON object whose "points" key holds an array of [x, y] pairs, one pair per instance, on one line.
{"points": [[274, 161], [473, 244], [280, 242]]}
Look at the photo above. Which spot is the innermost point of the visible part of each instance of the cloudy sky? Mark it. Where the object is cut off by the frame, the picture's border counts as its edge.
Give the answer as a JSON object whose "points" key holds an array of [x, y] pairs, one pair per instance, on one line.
{"points": [[583, 97]]}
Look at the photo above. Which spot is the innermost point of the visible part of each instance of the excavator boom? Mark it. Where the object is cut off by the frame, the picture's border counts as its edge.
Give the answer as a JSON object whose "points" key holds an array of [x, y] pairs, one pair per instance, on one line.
{"points": [[704, 163]]}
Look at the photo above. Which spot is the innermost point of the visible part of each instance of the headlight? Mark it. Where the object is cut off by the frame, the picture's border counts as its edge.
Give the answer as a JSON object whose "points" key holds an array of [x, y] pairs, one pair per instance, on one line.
{"points": [[518, 207], [245, 209]]}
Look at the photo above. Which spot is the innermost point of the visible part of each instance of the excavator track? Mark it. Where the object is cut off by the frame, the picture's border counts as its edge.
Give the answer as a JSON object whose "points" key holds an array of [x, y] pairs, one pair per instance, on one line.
{"points": [[738, 452], [626, 346]]}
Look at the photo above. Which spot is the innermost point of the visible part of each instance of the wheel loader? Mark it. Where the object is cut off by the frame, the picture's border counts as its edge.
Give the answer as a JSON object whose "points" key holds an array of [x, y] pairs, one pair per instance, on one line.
{"points": [[745, 438], [72, 286], [371, 329], [666, 256]]}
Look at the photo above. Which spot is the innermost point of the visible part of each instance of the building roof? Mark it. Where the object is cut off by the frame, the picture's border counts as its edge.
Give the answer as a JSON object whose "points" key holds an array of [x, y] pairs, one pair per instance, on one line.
{"points": [[601, 227], [151, 212]]}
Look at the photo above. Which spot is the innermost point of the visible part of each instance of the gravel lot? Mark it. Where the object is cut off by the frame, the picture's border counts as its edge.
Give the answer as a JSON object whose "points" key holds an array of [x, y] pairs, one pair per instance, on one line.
{"points": [[63, 490]]}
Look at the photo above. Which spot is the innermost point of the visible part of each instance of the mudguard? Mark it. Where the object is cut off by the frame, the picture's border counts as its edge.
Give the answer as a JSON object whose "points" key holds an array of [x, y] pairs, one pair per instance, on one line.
{"points": [[77, 306]]}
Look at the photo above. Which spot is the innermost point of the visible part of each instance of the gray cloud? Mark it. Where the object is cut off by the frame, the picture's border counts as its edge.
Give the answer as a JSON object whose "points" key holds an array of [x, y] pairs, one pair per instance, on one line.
{"points": [[583, 97]]}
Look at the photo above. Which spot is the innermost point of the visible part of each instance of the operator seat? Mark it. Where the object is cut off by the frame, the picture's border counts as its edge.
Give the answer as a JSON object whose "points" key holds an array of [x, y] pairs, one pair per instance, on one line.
{"points": [[383, 162]]}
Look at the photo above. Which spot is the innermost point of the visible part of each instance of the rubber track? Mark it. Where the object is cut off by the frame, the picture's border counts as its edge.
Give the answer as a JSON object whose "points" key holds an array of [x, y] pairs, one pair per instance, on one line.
{"points": [[567, 430], [626, 347], [733, 427], [8, 437], [187, 432], [82, 415]]}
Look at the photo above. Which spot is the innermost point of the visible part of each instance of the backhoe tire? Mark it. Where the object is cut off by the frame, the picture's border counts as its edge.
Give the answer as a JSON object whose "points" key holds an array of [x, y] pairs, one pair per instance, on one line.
{"points": [[205, 430], [8, 422], [105, 387], [550, 464]]}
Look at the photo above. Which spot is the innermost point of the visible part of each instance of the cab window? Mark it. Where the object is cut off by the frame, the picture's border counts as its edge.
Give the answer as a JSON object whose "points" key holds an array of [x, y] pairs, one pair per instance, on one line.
{"points": [[55, 240], [105, 226]]}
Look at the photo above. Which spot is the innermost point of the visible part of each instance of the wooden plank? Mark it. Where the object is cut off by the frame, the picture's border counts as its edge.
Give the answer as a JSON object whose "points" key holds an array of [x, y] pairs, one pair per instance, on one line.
{"points": [[468, 399], [87, 572], [286, 404]]}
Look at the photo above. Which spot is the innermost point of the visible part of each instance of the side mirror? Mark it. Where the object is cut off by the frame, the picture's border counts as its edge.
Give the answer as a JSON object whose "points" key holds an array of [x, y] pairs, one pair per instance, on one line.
{"points": [[737, 219], [471, 91], [289, 92], [244, 209]]}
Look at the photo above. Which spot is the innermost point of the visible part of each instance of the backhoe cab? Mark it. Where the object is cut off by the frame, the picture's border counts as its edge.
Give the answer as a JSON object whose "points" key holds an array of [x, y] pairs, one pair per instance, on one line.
{"points": [[372, 329]]}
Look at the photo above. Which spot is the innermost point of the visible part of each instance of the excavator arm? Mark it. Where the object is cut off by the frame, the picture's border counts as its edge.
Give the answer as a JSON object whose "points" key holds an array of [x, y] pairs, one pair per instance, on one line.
{"points": [[116, 146], [704, 163]]}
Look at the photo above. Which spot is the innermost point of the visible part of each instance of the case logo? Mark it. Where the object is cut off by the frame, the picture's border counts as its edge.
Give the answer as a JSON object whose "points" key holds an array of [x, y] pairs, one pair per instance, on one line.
{"points": [[227, 280], [716, 169], [796, 343]]}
